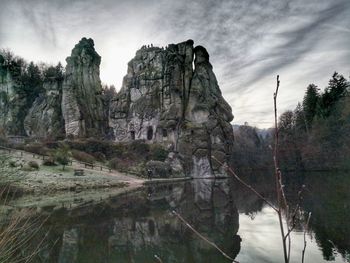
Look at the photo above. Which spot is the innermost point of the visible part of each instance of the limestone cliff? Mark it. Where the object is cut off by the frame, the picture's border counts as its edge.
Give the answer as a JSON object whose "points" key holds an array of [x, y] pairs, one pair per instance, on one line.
{"points": [[44, 118], [171, 96], [82, 105]]}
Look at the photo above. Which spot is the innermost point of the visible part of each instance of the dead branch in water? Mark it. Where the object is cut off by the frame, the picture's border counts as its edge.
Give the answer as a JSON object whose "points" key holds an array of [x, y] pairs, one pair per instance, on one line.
{"points": [[281, 198], [158, 258], [305, 230], [203, 237], [282, 203]]}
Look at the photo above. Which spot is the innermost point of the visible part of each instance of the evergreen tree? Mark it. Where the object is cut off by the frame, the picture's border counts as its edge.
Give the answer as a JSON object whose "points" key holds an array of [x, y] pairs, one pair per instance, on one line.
{"points": [[310, 102], [300, 120], [337, 89], [53, 73]]}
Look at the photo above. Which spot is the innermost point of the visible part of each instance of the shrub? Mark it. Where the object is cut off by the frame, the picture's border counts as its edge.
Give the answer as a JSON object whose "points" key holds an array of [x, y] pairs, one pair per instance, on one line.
{"points": [[139, 147], [34, 165], [52, 144], [91, 146], [83, 156], [158, 153], [99, 156], [13, 163], [158, 169], [62, 156], [119, 164], [37, 148], [49, 162]]}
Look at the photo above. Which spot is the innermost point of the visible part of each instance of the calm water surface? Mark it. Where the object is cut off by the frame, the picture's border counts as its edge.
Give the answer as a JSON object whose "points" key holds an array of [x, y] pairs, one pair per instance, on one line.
{"points": [[139, 225]]}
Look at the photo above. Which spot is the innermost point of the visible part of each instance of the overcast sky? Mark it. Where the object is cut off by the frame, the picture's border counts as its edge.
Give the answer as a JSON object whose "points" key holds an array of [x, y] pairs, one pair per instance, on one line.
{"points": [[249, 42]]}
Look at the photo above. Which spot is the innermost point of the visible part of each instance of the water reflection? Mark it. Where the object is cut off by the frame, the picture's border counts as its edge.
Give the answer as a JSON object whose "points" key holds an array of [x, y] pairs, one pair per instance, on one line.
{"points": [[329, 201], [135, 227], [326, 196]]}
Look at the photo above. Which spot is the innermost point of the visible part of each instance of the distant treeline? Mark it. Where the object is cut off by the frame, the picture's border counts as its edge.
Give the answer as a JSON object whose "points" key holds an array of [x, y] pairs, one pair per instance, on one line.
{"points": [[315, 136]]}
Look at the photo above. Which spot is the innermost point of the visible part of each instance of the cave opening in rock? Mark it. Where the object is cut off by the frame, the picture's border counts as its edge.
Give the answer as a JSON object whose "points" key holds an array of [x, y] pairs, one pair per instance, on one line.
{"points": [[132, 135], [165, 133], [150, 133]]}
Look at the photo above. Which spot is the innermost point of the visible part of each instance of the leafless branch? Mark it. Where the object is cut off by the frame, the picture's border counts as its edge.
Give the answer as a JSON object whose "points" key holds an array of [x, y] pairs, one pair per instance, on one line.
{"points": [[158, 258], [203, 237], [305, 230], [281, 199], [246, 185]]}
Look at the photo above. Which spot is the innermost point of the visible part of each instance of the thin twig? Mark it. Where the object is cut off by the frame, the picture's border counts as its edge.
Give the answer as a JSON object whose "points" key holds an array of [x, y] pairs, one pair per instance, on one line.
{"points": [[278, 178], [305, 230], [158, 258], [246, 185]]}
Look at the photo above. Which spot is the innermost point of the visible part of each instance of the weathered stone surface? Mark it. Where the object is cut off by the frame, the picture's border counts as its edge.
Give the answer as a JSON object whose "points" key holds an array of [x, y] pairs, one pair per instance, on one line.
{"points": [[82, 104], [171, 96], [70, 246], [6, 97], [45, 117]]}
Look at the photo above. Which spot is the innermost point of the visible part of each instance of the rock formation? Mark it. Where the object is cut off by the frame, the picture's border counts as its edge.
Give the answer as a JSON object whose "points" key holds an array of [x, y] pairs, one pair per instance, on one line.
{"points": [[82, 104], [9, 101], [172, 97], [169, 96], [44, 118]]}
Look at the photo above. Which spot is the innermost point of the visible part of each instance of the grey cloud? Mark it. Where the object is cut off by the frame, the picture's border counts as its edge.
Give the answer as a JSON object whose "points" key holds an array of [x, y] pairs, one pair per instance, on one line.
{"points": [[248, 40]]}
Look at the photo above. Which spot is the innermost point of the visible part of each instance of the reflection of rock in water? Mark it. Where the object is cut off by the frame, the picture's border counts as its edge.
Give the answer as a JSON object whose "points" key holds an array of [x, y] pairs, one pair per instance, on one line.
{"points": [[69, 248], [203, 203], [136, 227]]}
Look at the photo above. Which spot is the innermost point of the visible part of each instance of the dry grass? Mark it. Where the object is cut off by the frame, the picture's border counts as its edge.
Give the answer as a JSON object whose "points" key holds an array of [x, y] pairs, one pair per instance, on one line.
{"points": [[18, 228], [16, 234]]}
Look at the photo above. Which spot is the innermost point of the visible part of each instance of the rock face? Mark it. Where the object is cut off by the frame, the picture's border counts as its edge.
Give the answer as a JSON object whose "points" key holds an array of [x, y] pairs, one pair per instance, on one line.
{"points": [[82, 104], [44, 118], [5, 94], [9, 101], [171, 96]]}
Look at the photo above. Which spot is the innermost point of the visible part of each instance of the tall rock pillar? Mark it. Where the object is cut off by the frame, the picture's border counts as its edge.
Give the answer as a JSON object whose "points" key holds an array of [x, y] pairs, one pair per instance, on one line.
{"points": [[82, 105]]}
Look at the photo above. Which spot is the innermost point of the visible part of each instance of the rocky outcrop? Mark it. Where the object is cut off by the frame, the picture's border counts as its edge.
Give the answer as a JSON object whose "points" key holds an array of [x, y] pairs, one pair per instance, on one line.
{"points": [[45, 118], [70, 246], [9, 102], [82, 104], [5, 88], [171, 96]]}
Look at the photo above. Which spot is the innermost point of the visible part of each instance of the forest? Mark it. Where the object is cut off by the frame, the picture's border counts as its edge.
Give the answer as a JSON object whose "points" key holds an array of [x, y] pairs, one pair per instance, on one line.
{"points": [[312, 137]]}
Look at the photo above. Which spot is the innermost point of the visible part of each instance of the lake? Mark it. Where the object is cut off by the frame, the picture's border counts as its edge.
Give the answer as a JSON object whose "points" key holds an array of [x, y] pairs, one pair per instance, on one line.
{"points": [[135, 227]]}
